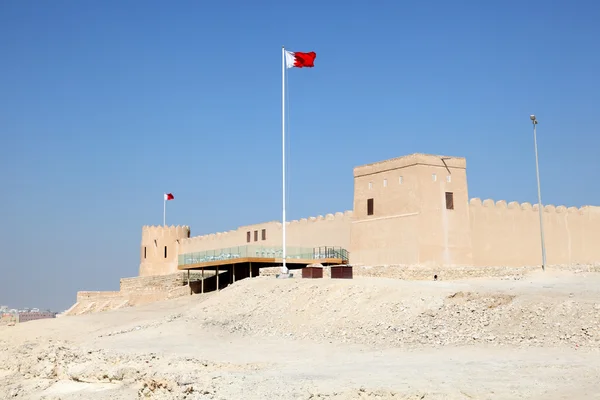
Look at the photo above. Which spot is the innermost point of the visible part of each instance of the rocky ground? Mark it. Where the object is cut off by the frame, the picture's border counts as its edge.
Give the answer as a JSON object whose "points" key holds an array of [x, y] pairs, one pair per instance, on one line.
{"points": [[530, 337]]}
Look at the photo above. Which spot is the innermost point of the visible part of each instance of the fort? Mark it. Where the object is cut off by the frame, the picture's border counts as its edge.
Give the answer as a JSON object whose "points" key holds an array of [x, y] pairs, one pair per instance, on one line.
{"points": [[412, 218]]}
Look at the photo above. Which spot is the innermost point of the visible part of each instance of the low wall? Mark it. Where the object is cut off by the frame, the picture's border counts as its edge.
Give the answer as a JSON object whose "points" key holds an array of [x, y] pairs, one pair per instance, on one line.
{"points": [[418, 273], [97, 296], [159, 282], [134, 292], [452, 273]]}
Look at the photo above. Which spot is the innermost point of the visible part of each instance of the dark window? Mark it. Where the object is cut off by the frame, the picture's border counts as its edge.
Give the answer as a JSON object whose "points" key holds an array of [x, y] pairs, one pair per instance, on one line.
{"points": [[370, 207], [144, 251], [256, 236], [449, 201], [165, 251], [248, 236], [264, 234]]}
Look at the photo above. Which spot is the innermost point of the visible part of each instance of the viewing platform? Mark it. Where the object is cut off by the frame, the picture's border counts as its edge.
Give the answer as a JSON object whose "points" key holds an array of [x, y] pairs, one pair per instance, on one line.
{"points": [[235, 263], [263, 256]]}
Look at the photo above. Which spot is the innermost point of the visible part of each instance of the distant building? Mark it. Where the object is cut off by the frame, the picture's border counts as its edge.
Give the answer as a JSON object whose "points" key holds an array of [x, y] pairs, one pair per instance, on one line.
{"points": [[25, 316], [8, 318]]}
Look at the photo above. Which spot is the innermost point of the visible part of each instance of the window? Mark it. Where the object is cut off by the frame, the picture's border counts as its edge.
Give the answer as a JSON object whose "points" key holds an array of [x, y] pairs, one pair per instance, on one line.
{"points": [[385, 183], [449, 201], [264, 234], [248, 236], [449, 178], [434, 177], [400, 180], [144, 251], [370, 185], [256, 236], [165, 251], [370, 207]]}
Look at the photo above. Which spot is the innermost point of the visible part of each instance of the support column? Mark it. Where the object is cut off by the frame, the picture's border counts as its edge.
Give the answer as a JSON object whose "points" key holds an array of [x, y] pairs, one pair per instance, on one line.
{"points": [[189, 284], [217, 278], [233, 272], [202, 284], [250, 270]]}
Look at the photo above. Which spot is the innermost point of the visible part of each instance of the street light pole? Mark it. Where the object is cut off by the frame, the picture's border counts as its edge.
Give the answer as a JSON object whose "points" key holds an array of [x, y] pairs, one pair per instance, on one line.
{"points": [[540, 207]]}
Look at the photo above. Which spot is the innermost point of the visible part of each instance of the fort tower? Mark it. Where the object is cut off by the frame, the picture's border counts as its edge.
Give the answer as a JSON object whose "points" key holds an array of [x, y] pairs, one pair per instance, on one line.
{"points": [[160, 249], [413, 208]]}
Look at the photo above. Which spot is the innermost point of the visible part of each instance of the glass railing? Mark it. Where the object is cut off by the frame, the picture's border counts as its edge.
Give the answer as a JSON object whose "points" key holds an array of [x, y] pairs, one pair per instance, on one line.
{"points": [[230, 253]]}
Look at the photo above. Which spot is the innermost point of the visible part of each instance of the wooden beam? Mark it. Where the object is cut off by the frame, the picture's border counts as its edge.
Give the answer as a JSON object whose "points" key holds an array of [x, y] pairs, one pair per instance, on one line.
{"points": [[292, 261]]}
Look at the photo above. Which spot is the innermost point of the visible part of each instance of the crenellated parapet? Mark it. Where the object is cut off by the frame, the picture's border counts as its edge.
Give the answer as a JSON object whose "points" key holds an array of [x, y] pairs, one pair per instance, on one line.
{"points": [[320, 228], [526, 206], [159, 231], [509, 233], [210, 236], [338, 216]]}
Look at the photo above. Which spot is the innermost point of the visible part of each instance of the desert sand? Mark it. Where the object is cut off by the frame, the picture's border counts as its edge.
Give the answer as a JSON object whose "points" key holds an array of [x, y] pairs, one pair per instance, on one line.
{"points": [[532, 337]]}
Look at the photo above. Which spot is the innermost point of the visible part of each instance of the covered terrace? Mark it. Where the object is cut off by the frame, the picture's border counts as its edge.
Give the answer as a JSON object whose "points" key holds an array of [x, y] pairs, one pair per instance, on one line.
{"points": [[235, 263]]}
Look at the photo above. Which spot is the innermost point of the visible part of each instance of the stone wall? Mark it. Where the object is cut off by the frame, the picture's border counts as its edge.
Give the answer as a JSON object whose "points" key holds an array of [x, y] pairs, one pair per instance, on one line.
{"points": [[465, 272], [328, 230], [97, 296], [155, 283], [509, 234], [134, 292]]}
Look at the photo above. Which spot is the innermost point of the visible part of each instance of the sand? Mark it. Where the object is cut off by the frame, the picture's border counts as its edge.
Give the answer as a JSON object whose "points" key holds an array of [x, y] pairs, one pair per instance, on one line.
{"points": [[514, 338]]}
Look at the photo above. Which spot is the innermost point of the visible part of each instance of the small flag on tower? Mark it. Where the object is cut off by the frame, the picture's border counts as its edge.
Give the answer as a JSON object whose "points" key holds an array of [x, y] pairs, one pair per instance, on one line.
{"points": [[300, 60], [169, 196]]}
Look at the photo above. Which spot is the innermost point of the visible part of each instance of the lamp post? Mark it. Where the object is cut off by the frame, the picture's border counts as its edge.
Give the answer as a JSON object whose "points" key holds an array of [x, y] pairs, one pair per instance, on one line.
{"points": [[537, 169]]}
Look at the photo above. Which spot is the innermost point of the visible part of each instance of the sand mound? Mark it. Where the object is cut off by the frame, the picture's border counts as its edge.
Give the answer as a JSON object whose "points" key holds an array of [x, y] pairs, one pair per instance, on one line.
{"points": [[386, 313], [265, 338]]}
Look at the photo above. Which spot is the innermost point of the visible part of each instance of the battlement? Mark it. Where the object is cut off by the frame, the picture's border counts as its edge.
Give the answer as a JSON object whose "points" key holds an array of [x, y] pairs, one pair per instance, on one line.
{"points": [[526, 206], [159, 231], [338, 216], [328, 217]]}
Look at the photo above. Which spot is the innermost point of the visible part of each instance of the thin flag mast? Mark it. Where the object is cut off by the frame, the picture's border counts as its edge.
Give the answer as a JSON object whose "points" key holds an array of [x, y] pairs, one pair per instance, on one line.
{"points": [[289, 59], [167, 197], [284, 269]]}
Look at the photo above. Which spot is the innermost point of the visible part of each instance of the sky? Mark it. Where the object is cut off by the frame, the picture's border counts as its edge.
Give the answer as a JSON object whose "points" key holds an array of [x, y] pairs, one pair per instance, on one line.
{"points": [[105, 106]]}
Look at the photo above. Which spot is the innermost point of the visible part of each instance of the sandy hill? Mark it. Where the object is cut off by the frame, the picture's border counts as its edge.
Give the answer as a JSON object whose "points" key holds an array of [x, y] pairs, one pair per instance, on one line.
{"points": [[530, 337]]}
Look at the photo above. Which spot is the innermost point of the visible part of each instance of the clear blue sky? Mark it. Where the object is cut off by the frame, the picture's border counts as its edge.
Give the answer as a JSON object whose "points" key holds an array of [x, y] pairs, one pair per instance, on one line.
{"points": [[104, 106]]}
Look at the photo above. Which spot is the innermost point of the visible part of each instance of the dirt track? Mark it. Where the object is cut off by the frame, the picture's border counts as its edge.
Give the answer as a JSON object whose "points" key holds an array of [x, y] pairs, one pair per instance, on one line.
{"points": [[538, 337]]}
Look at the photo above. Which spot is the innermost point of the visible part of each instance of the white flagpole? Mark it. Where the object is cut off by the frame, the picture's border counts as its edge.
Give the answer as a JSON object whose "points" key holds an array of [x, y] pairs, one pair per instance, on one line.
{"points": [[284, 269], [165, 210]]}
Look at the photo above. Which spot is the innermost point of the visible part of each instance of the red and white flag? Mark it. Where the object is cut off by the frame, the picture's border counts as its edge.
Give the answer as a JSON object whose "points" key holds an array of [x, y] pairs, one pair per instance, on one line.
{"points": [[300, 60], [169, 196]]}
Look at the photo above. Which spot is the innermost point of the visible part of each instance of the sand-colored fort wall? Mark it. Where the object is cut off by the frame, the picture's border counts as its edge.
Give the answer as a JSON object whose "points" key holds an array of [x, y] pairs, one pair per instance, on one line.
{"points": [[509, 234], [328, 230]]}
